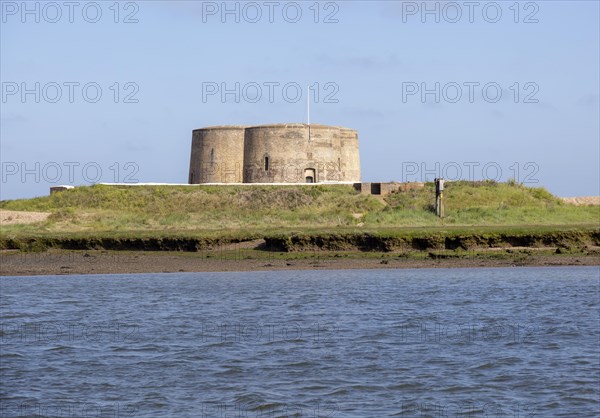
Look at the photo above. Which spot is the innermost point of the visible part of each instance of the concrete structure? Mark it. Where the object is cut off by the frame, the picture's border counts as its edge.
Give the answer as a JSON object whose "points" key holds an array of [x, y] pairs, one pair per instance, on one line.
{"points": [[386, 188], [281, 153], [62, 188]]}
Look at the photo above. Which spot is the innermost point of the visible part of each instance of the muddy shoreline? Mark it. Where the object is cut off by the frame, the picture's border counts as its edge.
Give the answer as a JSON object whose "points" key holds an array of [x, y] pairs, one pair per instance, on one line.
{"points": [[401, 240], [66, 262]]}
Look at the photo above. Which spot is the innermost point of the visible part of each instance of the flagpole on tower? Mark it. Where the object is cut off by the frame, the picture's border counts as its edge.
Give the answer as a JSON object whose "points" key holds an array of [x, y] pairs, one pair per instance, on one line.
{"points": [[308, 110]]}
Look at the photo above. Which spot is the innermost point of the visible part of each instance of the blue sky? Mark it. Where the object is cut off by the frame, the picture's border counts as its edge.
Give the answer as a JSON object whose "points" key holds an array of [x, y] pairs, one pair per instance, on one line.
{"points": [[540, 127]]}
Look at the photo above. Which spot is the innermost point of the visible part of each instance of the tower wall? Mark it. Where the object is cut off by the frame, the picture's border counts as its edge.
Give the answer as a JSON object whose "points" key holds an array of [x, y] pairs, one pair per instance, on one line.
{"points": [[280, 153], [298, 153], [217, 155], [350, 155]]}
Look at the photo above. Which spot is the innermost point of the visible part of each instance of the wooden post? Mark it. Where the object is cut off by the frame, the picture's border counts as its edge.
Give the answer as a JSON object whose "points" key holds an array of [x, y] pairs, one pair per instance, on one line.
{"points": [[439, 197]]}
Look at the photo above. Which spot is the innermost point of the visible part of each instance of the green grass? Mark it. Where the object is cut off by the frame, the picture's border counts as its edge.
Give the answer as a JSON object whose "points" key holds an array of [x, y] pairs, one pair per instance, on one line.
{"points": [[245, 211]]}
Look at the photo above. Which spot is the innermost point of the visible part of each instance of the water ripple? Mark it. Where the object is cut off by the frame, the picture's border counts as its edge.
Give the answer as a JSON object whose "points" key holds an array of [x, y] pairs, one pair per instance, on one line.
{"points": [[461, 342]]}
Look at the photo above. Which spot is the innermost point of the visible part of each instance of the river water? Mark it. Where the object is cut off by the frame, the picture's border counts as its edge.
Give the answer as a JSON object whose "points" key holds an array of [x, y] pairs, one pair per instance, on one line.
{"points": [[509, 342]]}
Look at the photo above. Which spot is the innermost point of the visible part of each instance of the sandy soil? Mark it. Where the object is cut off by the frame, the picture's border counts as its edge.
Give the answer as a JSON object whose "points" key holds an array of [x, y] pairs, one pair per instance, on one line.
{"points": [[583, 200], [11, 217], [57, 262]]}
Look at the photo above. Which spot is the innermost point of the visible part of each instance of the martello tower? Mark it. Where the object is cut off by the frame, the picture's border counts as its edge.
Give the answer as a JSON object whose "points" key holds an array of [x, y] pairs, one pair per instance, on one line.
{"points": [[281, 153]]}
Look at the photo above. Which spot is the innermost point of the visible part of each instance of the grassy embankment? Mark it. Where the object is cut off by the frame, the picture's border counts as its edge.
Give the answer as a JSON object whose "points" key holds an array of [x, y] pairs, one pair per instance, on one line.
{"points": [[292, 218]]}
